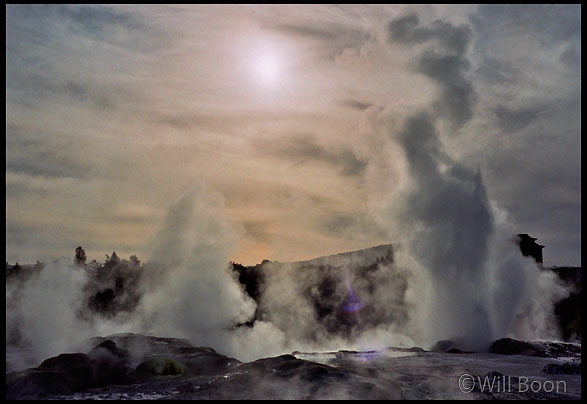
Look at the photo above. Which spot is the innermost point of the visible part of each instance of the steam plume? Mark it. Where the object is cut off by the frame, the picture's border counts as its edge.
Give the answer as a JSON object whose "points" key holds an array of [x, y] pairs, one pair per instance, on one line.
{"points": [[449, 230]]}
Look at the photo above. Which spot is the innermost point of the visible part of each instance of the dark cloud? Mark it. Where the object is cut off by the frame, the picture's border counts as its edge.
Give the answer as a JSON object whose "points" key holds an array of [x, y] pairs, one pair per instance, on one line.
{"points": [[305, 148], [572, 57], [193, 119], [17, 233], [496, 71], [333, 37], [98, 97], [31, 87], [457, 98], [257, 229], [33, 155], [42, 163], [354, 104], [85, 93], [511, 120], [96, 21], [452, 39], [40, 37], [529, 70], [350, 164], [134, 219], [421, 144], [18, 190], [351, 226], [308, 31], [548, 23]]}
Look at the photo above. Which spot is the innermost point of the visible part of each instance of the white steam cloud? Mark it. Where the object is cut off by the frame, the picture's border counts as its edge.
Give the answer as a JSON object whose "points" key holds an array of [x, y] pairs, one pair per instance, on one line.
{"points": [[45, 312], [190, 292], [456, 273], [477, 287]]}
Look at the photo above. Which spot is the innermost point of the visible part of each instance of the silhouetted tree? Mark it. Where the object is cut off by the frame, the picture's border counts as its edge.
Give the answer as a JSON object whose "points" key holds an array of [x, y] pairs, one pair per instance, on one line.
{"points": [[80, 256], [111, 260], [114, 260], [134, 261]]}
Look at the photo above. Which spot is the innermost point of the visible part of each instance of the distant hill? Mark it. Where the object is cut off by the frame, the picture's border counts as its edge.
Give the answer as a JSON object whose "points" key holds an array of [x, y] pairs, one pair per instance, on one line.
{"points": [[331, 290], [362, 257]]}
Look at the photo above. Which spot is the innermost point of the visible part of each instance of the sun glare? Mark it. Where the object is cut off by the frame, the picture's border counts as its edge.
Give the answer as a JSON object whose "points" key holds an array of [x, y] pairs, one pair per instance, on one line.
{"points": [[268, 70]]}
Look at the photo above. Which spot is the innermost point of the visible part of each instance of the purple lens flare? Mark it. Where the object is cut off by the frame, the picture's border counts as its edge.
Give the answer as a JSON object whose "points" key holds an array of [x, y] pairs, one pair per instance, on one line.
{"points": [[365, 356], [353, 304]]}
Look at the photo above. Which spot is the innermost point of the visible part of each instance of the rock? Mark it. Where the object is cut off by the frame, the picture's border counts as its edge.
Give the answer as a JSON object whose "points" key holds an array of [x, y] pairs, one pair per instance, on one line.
{"points": [[456, 350], [415, 349], [62, 374], [186, 388], [288, 366], [189, 350], [161, 367], [37, 383], [110, 363], [562, 369], [206, 363], [156, 368], [509, 346], [141, 346], [559, 349], [77, 366], [110, 347], [209, 375], [447, 346], [286, 377]]}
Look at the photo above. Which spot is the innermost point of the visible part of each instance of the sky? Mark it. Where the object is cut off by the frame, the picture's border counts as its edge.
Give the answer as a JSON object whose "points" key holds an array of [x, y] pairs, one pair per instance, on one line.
{"points": [[283, 115]]}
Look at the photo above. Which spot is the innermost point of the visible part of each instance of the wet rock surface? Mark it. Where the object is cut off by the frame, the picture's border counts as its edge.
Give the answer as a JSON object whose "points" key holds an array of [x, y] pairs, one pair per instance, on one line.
{"points": [[131, 366], [509, 346], [563, 369], [448, 346]]}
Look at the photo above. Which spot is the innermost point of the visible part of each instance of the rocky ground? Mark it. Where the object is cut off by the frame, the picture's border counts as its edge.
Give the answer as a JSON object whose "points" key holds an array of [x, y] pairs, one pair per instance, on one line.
{"points": [[131, 366]]}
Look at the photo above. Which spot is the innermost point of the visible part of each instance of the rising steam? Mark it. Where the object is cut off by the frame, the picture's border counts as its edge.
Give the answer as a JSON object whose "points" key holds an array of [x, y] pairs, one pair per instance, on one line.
{"points": [[478, 287], [190, 291], [455, 273]]}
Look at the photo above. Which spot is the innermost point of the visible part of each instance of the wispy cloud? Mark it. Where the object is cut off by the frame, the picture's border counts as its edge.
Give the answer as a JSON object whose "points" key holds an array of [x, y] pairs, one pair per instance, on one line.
{"points": [[305, 148], [108, 105]]}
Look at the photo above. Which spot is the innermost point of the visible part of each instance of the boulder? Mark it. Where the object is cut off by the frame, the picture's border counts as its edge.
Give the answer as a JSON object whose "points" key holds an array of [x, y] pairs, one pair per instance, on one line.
{"points": [[77, 366], [111, 364], [288, 366], [155, 368], [509, 346], [206, 363], [447, 346], [62, 374], [37, 383]]}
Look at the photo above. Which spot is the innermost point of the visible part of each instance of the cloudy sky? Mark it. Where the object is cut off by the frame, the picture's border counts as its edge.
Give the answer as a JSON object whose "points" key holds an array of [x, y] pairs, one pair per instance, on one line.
{"points": [[283, 115]]}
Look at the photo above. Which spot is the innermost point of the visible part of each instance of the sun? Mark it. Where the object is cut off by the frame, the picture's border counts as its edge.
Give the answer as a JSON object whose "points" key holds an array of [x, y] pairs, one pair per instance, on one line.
{"points": [[268, 70], [268, 66], [268, 62]]}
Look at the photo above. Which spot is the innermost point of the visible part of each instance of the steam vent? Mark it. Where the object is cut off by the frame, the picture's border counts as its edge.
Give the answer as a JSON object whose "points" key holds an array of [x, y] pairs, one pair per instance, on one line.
{"points": [[530, 248]]}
